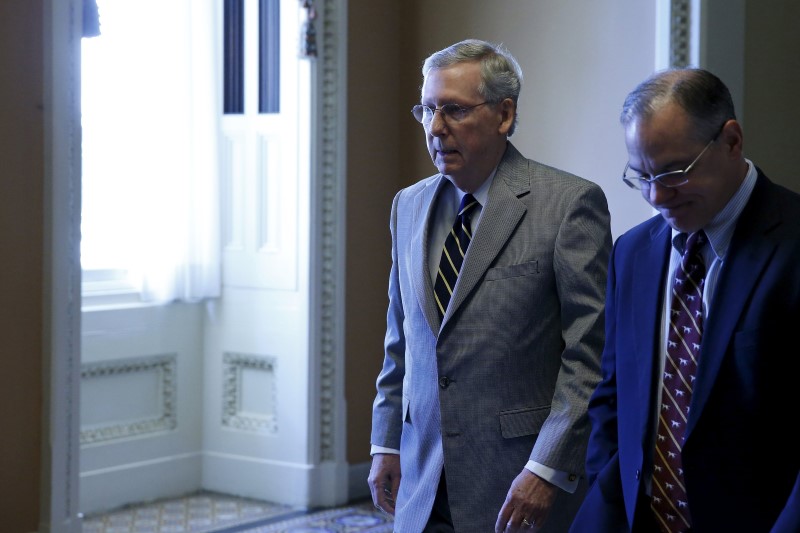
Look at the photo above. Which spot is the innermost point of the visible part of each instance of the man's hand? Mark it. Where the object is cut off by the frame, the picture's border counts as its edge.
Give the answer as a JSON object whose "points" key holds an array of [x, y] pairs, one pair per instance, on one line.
{"points": [[384, 481], [527, 504]]}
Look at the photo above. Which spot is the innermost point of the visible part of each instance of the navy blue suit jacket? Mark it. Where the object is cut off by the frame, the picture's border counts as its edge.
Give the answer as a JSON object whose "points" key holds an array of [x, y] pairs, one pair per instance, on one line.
{"points": [[741, 455]]}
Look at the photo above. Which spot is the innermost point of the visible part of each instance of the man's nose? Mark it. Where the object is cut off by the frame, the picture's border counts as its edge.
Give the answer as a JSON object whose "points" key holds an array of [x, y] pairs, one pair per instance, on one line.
{"points": [[437, 124], [658, 193]]}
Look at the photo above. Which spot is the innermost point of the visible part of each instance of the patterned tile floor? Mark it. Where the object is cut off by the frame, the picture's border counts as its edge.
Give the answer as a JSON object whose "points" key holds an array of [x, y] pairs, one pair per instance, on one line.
{"points": [[207, 512]]}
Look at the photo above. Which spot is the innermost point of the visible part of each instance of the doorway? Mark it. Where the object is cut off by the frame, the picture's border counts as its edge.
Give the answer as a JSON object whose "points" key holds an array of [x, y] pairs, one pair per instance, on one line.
{"points": [[261, 385]]}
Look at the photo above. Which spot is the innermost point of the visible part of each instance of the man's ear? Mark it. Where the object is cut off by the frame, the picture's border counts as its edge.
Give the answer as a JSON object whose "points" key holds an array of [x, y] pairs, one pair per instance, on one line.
{"points": [[508, 110], [732, 138]]}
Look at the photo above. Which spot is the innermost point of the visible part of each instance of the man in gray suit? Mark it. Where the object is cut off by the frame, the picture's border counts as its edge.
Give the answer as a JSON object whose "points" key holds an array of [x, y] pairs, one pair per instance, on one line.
{"points": [[479, 423]]}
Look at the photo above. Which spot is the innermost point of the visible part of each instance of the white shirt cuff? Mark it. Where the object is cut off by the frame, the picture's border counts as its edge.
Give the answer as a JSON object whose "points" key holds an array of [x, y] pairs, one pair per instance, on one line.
{"points": [[563, 480], [380, 449]]}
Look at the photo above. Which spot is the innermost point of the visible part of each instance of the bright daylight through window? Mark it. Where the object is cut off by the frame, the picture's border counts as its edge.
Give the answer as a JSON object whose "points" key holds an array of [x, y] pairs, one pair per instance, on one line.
{"points": [[149, 118]]}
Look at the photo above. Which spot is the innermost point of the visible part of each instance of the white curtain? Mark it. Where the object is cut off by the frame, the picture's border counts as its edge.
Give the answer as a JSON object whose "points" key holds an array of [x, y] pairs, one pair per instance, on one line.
{"points": [[150, 121]]}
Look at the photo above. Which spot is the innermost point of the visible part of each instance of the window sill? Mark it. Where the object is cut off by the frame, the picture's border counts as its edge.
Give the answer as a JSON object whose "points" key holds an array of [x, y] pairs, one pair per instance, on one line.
{"points": [[108, 289]]}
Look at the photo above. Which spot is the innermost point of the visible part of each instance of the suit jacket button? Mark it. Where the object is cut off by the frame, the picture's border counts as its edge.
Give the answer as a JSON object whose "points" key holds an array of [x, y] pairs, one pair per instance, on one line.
{"points": [[638, 474], [444, 382]]}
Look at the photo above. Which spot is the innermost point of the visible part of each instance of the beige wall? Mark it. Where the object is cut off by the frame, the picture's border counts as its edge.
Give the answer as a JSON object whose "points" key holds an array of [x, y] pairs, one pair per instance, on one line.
{"points": [[22, 243], [772, 76], [373, 161]]}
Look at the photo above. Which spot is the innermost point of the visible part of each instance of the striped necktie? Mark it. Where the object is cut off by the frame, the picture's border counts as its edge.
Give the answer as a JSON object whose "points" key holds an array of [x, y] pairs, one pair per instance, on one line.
{"points": [[455, 246], [669, 501]]}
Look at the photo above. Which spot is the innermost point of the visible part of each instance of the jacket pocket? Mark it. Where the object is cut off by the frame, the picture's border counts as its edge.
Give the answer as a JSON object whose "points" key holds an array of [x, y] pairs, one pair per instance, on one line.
{"points": [[521, 422], [513, 271]]}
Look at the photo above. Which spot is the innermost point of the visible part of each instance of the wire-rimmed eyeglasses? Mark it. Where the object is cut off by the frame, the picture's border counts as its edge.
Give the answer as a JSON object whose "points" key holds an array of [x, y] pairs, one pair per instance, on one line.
{"points": [[450, 112], [674, 178]]}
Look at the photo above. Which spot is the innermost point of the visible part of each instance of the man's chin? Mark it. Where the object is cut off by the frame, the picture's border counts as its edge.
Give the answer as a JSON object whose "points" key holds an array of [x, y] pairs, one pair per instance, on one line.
{"points": [[680, 224], [443, 169], [447, 168]]}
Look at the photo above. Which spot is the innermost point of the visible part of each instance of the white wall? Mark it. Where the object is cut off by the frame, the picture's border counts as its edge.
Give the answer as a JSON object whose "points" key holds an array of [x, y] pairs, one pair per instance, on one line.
{"points": [[141, 404]]}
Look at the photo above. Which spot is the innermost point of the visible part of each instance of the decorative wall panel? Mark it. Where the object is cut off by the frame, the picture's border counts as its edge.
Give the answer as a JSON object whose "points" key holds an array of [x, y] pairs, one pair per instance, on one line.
{"points": [[128, 398], [248, 395]]}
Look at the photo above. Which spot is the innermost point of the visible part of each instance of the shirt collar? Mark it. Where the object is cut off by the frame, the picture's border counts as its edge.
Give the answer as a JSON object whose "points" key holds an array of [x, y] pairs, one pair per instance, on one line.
{"points": [[481, 194], [720, 230]]}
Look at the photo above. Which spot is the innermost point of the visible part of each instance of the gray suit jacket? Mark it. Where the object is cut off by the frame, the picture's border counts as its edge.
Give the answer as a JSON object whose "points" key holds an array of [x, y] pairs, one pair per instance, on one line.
{"points": [[505, 377]]}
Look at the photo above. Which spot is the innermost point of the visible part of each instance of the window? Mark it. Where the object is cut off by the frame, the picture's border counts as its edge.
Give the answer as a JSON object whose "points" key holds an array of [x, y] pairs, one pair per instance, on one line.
{"points": [[269, 53], [150, 116], [186, 104]]}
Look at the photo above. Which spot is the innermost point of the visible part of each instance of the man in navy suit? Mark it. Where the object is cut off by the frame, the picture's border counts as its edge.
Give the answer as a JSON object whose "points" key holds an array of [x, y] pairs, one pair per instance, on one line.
{"points": [[479, 422], [739, 462]]}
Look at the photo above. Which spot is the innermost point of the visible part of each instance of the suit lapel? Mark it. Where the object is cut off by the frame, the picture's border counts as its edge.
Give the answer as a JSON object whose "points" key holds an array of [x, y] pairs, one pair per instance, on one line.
{"points": [[744, 264], [423, 285], [499, 217], [651, 264]]}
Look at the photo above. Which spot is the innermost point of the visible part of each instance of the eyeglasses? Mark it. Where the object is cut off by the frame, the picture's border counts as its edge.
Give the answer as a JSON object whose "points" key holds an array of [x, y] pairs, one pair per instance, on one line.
{"points": [[675, 178], [450, 112]]}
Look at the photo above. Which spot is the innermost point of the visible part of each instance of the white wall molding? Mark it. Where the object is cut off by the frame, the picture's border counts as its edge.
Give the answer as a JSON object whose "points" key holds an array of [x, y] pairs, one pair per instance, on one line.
{"points": [[62, 291], [680, 35], [330, 229]]}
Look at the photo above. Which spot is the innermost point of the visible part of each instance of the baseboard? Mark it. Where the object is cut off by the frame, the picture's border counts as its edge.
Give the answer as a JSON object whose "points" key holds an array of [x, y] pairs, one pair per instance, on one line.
{"points": [[105, 489], [108, 488]]}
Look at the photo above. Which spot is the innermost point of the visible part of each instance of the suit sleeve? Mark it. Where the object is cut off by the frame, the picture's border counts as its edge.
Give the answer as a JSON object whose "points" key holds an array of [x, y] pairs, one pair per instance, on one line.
{"points": [[582, 246], [789, 519], [388, 405], [603, 444]]}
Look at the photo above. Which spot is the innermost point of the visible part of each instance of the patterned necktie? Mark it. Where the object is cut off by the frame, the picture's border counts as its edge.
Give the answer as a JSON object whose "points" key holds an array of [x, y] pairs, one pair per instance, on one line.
{"points": [[455, 246], [669, 500]]}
